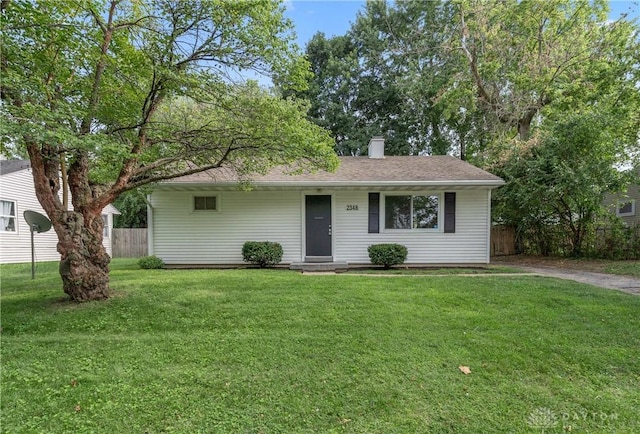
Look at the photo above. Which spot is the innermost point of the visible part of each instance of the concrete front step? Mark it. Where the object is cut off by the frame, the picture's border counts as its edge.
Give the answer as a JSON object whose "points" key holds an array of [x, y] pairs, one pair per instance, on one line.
{"points": [[319, 266]]}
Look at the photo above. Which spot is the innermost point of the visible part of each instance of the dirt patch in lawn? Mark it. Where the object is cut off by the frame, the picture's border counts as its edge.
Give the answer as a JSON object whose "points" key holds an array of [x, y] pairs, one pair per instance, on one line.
{"points": [[592, 265]]}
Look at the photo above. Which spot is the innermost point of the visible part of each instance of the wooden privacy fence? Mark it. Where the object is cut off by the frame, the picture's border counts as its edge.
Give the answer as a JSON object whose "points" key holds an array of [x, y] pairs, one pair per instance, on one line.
{"points": [[129, 243], [503, 241]]}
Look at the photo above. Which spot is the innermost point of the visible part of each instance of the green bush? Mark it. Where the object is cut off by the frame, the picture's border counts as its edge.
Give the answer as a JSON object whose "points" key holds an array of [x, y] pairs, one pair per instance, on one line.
{"points": [[262, 253], [387, 255], [150, 262]]}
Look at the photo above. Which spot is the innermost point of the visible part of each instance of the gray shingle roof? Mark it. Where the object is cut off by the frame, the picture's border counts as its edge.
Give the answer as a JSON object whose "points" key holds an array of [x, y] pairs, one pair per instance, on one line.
{"points": [[407, 170], [10, 166]]}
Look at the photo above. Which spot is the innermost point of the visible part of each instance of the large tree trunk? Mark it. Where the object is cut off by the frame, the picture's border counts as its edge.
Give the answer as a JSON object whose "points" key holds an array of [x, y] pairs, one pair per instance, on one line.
{"points": [[84, 262]]}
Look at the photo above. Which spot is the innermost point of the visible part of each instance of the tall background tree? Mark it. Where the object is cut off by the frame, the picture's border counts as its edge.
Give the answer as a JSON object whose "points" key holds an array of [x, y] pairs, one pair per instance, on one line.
{"points": [[384, 78], [332, 90], [522, 63], [116, 95]]}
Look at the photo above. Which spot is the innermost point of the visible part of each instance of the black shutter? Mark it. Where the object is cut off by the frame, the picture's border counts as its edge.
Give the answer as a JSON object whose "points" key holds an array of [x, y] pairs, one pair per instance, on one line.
{"points": [[449, 213], [374, 213]]}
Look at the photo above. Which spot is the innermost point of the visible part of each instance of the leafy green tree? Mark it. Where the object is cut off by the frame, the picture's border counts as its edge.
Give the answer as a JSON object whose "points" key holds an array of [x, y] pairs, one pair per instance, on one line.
{"points": [[408, 37], [495, 81], [333, 91], [354, 88], [380, 106], [133, 210], [554, 190], [117, 95], [386, 77], [521, 62]]}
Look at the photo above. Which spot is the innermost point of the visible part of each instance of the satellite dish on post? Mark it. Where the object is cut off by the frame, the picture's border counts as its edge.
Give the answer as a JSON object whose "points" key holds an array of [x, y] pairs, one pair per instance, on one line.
{"points": [[37, 223]]}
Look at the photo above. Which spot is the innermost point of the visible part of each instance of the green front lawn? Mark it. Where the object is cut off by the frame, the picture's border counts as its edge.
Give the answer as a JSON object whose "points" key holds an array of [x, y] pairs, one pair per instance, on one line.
{"points": [[272, 351], [492, 269]]}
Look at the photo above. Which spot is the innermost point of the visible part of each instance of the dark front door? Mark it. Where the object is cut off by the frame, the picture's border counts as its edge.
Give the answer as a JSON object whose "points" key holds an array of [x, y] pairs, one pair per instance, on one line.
{"points": [[318, 227]]}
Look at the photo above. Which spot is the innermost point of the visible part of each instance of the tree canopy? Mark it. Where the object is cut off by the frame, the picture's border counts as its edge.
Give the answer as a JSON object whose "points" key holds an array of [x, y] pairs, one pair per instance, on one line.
{"points": [[118, 94], [470, 78], [525, 63]]}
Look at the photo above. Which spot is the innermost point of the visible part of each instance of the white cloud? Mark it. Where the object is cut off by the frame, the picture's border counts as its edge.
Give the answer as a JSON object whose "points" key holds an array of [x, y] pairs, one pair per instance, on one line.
{"points": [[288, 5]]}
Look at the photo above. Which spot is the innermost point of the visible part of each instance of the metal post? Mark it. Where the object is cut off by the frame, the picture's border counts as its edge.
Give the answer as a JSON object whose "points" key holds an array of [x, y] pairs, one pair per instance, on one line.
{"points": [[33, 258]]}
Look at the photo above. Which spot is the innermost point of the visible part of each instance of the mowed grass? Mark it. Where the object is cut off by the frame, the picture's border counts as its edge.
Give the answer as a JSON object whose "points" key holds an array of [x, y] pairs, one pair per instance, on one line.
{"points": [[273, 351], [436, 271]]}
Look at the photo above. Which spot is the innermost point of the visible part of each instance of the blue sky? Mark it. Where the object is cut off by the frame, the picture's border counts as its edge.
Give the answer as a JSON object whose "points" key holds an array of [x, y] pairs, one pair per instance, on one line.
{"points": [[334, 17]]}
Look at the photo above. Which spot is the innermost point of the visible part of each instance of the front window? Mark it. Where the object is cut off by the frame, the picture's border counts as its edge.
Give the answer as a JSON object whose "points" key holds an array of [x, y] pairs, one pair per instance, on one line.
{"points": [[7, 216], [411, 212]]}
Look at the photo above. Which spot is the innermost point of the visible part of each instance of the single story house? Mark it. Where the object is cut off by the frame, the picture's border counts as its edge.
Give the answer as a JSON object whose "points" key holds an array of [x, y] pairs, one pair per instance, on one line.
{"points": [[17, 194], [624, 205], [439, 207]]}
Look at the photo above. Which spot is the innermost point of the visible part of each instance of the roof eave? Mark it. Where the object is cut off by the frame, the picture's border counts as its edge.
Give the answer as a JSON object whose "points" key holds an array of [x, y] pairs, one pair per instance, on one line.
{"points": [[324, 184]]}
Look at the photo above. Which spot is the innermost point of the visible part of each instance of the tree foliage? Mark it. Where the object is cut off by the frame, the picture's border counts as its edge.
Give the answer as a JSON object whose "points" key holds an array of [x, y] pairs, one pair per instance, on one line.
{"points": [[361, 86], [554, 190], [523, 62], [471, 78], [133, 210], [384, 77], [577, 142], [119, 94]]}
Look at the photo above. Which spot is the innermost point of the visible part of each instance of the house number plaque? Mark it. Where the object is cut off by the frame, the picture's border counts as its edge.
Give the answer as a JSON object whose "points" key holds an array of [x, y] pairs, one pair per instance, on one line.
{"points": [[352, 207]]}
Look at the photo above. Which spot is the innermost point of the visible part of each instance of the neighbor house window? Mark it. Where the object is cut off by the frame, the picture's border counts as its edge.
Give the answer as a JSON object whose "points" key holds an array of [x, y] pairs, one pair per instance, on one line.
{"points": [[626, 208], [105, 226], [7, 216], [205, 203], [411, 212]]}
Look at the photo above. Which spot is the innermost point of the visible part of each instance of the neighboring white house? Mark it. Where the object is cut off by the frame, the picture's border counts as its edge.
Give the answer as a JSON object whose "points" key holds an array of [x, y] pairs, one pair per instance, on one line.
{"points": [[625, 205], [439, 207], [17, 194]]}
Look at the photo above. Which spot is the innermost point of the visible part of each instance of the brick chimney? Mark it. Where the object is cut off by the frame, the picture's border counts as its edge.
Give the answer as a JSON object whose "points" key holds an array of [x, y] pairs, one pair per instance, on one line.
{"points": [[376, 147]]}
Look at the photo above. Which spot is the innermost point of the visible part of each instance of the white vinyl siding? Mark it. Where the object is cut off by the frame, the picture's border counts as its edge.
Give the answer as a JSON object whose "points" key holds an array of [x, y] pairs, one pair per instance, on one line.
{"points": [[182, 236], [105, 226], [468, 245], [15, 247]]}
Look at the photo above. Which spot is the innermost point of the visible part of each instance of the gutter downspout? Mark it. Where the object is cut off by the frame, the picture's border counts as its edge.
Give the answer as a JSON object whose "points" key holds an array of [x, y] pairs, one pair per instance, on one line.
{"points": [[150, 248], [488, 226]]}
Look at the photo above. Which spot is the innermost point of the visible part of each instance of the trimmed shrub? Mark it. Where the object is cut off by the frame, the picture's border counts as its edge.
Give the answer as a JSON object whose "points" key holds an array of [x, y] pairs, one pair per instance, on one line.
{"points": [[150, 262], [262, 253], [387, 255]]}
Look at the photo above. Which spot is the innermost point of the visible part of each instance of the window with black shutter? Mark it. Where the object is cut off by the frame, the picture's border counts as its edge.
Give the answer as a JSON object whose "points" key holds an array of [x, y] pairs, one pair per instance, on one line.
{"points": [[449, 213], [374, 213]]}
